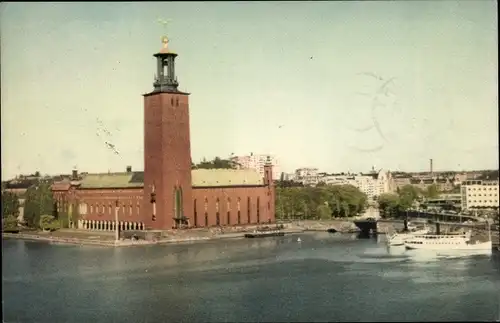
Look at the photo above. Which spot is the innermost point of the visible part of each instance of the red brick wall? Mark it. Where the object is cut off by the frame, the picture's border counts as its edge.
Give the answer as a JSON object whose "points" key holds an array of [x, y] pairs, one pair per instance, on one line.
{"points": [[205, 200], [99, 202], [167, 157]]}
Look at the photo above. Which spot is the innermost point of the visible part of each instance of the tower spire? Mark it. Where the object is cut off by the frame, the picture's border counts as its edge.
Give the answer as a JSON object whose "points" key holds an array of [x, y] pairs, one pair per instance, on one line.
{"points": [[165, 80]]}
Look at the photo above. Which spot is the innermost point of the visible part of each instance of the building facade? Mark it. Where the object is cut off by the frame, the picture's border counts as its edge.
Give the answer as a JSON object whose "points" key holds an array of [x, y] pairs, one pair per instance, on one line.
{"points": [[479, 194], [372, 184], [168, 193], [257, 162]]}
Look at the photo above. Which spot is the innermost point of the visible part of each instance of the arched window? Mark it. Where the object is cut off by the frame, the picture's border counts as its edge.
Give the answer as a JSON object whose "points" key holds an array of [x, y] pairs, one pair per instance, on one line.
{"points": [[228, 208], [206, 211], [217, 216], [195, 214], [249, 201], [91, 209], [258, 209], [238, 206]]}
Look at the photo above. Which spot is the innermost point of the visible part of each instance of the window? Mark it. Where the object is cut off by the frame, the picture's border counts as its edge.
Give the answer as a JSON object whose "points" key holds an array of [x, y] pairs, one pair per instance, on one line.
{"points": [[123, 209], [130, 210], [195, 214], [228, 208], [110, 209], [206, 219], [248, 209], [91, 209], [138, 208], [258, 209], [177, 101], [172, 101]]}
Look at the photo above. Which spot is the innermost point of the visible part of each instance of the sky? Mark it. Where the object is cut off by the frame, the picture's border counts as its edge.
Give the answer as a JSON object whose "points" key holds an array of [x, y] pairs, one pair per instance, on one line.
{"points": [[341, 86]]}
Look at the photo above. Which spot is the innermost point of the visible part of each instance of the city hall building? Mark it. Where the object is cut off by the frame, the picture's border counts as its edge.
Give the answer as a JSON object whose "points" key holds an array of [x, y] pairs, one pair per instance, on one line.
{"points": [[168, 193]]}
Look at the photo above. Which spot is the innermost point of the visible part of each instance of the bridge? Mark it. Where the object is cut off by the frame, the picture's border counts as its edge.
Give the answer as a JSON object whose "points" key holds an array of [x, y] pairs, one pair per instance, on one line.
{"points": [[443, 217]]}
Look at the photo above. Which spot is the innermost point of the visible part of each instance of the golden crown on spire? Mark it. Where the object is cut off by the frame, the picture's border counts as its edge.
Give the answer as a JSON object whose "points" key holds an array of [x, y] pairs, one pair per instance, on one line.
{"points": [[164, 39]]}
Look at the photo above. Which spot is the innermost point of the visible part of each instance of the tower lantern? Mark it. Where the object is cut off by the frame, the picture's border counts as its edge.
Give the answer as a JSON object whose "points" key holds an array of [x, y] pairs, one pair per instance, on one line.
{"points": [[165, 81]]}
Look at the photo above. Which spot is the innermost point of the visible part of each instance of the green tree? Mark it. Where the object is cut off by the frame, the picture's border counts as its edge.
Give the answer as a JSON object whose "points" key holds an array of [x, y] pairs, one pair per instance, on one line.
{"points": [[432, 192], [10, 204], [39, 200], [49, 222], [216, 163], [408, 194], [312, 202], [388, 204], [10, 223], [324, 212]]}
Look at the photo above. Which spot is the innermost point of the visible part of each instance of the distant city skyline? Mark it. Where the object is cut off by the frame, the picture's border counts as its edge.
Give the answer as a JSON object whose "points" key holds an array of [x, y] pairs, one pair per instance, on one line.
{"points": [[334, 85]]}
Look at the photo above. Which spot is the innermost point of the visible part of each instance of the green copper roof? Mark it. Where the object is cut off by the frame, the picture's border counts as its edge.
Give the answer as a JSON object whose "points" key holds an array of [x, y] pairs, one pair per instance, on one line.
{"points": [[200, 177], [112, 180]]}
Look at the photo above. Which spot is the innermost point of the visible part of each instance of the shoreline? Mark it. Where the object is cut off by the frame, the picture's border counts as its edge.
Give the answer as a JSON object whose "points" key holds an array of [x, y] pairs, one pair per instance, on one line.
{"points": [[37, 237], [293, 227]]}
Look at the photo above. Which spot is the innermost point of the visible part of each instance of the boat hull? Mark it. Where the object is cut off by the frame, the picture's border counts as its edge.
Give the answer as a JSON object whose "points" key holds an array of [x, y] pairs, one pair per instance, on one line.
{"points": [[453, 249]]}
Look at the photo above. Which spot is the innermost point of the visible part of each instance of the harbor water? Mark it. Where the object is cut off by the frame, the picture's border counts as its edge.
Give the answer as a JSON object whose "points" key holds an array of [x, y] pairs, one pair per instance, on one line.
{"points": [[324, 277]]}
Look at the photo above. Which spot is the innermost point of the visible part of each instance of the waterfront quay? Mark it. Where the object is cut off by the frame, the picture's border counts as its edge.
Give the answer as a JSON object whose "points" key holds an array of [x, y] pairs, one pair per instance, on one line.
{"points": [[107, 239]]}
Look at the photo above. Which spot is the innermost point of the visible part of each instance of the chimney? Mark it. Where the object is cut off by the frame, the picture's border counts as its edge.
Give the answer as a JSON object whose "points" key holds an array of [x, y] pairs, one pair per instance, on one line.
{"points": [[430, 162], [74, 174], [129, 169]]}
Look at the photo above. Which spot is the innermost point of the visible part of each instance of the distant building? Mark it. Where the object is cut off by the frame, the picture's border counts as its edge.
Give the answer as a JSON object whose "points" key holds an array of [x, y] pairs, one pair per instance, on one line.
{"points": [[307, 176], [372, 184], [257, 162], [479, 194]]}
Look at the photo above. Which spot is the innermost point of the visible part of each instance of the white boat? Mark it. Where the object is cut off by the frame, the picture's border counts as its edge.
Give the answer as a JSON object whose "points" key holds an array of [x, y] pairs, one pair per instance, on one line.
{"points": [[449, 244], [398, 239]]}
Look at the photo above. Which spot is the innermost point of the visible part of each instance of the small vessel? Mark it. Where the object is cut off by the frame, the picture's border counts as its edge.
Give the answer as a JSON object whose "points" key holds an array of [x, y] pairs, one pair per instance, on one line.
{"points": [[299, 240]]}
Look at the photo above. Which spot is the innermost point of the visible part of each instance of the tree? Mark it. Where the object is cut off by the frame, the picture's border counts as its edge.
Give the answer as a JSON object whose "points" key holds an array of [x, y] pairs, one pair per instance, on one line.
{"points": [[39, 200], [316, 202], [432, 191], [48, 222], [408, 194], [388, 204], [216, 163], [324, 212], [9, 223], [10, 204]]}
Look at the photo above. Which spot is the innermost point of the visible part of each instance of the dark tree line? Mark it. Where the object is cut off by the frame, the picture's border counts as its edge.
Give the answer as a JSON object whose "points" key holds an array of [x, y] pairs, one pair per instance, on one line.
{"points": [[294, 201]]}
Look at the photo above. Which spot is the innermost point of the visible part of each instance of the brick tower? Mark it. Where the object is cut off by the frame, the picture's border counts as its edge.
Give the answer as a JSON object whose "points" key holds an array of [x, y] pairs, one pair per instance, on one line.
{"points": [[167, 200]]}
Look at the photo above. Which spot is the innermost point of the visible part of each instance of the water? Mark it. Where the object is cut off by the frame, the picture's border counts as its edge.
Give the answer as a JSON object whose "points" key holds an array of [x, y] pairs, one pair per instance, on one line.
{"points": [[326, 277]]}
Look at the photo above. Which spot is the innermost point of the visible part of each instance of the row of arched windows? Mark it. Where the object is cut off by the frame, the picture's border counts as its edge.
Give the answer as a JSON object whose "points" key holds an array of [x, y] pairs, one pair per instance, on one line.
{"points": [[228, 210], [102, 208]]}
